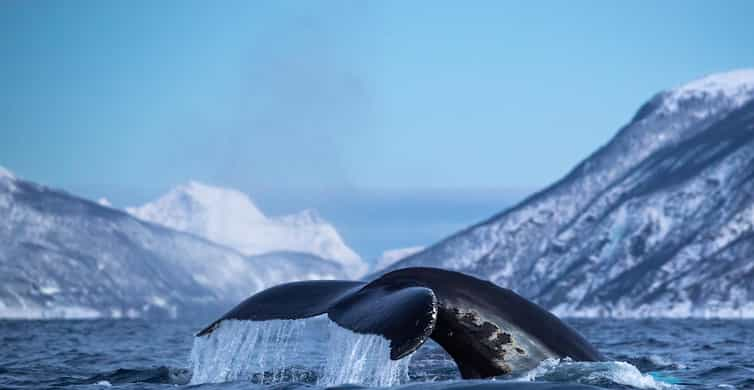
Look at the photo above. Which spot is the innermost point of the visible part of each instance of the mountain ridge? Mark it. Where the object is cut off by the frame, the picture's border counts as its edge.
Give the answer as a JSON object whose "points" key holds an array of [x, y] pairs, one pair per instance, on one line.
{"points": [[229, 217], [69, 257], [519, 246]]}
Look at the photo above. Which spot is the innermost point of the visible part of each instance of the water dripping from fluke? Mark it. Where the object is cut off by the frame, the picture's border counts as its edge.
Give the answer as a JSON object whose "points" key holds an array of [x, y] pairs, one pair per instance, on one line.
{"points": [[313, 351]]}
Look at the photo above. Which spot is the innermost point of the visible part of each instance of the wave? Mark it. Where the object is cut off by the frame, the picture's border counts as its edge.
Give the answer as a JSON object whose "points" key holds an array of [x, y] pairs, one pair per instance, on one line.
{"points": [[156, 375], [595, 373], [552, 374]]}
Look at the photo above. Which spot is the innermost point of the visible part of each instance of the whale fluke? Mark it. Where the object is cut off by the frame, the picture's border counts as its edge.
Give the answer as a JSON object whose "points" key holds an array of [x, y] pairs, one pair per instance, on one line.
{"points": [[488, 330], [405, 315]]}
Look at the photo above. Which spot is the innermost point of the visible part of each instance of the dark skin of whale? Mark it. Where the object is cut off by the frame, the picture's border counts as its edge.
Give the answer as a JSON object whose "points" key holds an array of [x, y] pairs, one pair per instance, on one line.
{"points": [[488, 330]]}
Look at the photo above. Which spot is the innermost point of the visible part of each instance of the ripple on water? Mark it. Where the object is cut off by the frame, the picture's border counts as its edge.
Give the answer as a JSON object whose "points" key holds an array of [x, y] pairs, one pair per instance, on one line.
{"points": [[137, 354]]}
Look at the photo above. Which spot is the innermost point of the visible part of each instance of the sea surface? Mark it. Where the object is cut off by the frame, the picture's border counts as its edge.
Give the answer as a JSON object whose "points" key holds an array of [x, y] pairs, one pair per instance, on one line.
{"points": [[139, 354]]}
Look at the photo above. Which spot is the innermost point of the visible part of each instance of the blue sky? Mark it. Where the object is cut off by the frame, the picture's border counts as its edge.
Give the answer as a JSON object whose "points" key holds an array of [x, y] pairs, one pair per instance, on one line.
{"points": [[414, 108]]}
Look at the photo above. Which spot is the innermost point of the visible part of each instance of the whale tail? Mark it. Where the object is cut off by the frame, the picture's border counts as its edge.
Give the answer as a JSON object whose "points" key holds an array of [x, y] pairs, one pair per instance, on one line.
{"points": [[406, 316], [486, 329]]}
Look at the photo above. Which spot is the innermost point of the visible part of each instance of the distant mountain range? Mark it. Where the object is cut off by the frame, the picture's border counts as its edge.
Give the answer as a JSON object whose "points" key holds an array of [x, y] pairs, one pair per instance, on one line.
{"points": [[229, 217], [657, 222], [66, 257]]}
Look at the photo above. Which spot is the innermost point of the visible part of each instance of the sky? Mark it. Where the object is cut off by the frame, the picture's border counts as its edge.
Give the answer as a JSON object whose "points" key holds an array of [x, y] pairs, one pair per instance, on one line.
{"points": [[400, 121]]}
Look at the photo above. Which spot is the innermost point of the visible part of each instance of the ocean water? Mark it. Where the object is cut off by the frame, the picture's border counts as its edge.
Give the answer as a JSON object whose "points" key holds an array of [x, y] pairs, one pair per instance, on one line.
{"points": [[136, 354]]}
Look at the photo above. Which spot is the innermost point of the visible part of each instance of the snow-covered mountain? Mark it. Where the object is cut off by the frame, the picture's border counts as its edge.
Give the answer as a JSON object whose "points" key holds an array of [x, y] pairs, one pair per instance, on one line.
{"points": [[657, 222], [63, 256], [229, 217]]}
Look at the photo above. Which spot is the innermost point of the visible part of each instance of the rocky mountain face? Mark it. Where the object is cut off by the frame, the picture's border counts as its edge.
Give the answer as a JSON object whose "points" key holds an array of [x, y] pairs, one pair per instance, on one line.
{"points": [[228, 217], [63, 256], [657, 222]]}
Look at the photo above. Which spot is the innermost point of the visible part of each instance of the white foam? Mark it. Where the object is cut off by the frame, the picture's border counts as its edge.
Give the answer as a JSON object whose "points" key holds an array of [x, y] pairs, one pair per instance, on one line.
{"points": [[49, 290], [269, 351], [659, 360], [595, 373], [32, 312], [626, 374]]}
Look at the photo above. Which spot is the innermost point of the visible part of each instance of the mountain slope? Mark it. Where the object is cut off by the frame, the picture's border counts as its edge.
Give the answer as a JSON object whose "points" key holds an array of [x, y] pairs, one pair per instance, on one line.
{"points": [[62, 256], [658, 222], [228, 217]]}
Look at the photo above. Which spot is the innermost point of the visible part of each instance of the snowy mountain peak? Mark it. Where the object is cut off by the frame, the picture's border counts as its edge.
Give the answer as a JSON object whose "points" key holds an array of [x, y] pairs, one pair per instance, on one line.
{"points": [[198, 208], [208, 196], [304, 217], [734, 88], [230, 218]]}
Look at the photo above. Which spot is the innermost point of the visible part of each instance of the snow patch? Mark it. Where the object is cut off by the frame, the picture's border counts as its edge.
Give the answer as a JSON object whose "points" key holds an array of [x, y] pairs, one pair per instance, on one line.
{"points": [[49, 290], [735, 87], [5, 173], [659, 309], [158, 301]]}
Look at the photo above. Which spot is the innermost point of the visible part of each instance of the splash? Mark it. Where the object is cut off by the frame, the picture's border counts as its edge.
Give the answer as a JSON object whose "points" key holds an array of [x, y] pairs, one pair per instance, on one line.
{"points": [[314, 351], [361, 359], [239, 349], [594, 373]]}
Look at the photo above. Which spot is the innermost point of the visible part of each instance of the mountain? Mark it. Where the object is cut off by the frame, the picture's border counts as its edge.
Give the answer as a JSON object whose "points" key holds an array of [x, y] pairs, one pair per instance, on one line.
{"points": [[389, 257], [229, 217], [63, 256], [657, 222]]}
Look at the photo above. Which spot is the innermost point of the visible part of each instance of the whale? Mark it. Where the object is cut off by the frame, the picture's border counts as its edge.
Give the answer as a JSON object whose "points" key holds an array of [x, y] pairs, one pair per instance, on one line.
{"points": [[486, 329]]}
